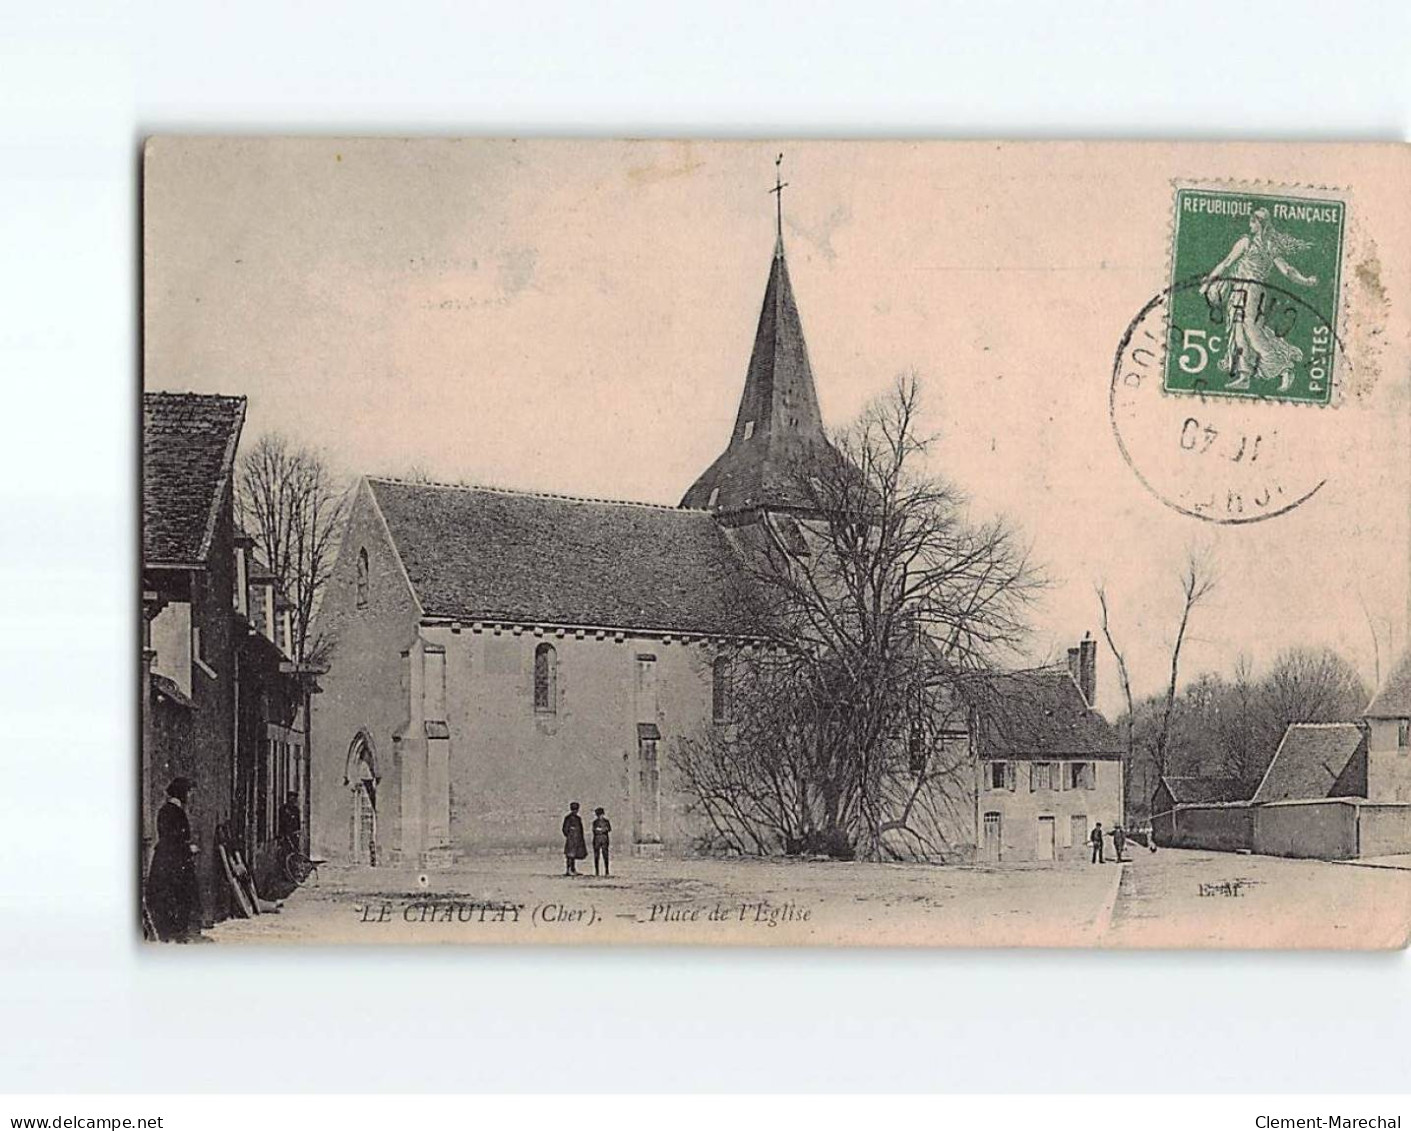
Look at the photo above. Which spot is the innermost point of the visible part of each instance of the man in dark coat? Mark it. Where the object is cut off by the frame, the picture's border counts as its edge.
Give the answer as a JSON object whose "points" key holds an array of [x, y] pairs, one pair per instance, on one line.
{"points": [[602, 833], [173, 893], [1096, 840], [574, 847]]}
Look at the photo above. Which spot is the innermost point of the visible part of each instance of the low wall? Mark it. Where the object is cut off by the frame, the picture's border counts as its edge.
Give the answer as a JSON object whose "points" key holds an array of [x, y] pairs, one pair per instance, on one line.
{"points": [[1384, 830], [1220, 828], [1325, 830]]}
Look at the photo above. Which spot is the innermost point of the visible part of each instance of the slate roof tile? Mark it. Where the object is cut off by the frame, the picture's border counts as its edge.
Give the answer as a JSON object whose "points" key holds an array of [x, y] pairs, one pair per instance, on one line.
{"points": [[1310, 758], [188, 453], [476, 553]]}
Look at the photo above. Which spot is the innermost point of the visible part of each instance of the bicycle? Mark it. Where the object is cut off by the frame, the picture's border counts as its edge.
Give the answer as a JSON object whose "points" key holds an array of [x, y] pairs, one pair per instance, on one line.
{"points": [[299, 868]]}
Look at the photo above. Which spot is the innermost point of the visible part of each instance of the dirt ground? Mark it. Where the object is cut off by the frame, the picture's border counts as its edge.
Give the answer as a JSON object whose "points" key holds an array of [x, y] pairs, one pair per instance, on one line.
{"points": [[1170, 898]]}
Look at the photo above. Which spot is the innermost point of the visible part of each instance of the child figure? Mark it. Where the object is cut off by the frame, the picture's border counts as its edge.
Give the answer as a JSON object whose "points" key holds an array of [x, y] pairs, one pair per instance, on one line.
{"points": [[602, 829]]}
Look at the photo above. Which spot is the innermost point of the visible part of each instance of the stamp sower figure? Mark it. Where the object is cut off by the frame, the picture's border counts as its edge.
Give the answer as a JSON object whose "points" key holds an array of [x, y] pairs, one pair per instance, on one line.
{"points": [[290, 822], [1119, 838], [173, 894], [1237, 285], [574, 848], [602, 834], [1096, 841]]}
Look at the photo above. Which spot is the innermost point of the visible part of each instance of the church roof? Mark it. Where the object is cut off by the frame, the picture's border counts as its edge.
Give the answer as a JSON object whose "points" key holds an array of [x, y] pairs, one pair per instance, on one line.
{"points": [[476, 553], [188, 455], [1393, 699], [1310, 759], [778, 426]]}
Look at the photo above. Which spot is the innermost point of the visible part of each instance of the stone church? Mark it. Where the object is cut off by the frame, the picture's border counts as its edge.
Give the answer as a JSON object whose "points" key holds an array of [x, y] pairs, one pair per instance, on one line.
{"points": [[499, 654]]}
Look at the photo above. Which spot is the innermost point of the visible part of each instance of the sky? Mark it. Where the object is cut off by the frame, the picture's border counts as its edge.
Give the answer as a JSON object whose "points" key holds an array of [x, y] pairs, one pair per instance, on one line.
{"points": [[577, 317]]}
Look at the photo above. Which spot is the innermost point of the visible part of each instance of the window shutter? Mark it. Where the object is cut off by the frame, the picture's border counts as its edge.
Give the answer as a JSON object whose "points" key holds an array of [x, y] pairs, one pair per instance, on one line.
{"points": [[1063, 773], [1092, 775], [1009, 776], [1033, 776]]}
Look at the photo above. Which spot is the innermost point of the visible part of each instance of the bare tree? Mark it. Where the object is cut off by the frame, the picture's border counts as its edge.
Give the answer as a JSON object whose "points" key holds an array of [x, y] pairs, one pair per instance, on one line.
{"points": [[1309, 685], [1198, 579], [1122, 674], [884, 598], [290, 503]]}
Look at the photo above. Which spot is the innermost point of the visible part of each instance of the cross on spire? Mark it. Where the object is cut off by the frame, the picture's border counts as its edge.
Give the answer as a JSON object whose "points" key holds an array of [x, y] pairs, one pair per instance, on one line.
{"points": [[778, 191]]}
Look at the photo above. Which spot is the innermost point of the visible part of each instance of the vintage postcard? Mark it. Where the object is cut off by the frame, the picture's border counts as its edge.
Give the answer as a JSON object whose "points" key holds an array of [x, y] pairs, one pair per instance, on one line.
{"points": [[776, 543]]}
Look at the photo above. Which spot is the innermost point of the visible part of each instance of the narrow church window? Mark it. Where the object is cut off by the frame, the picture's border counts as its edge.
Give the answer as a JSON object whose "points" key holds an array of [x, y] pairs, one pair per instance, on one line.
{"points": [[749, 429], [714, 498], [362, 578], [546, 679], [720, 689]]}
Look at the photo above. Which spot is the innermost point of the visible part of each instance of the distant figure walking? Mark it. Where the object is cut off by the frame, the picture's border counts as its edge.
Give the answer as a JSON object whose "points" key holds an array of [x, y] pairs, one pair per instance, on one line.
{"points": [[173, 893], [574, 848], [602, 835], [1119, 838], [1096, 841]]}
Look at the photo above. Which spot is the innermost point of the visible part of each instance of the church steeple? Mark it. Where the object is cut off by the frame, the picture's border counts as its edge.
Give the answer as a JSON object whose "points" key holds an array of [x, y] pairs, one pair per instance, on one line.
{"points": [[778, 424]]}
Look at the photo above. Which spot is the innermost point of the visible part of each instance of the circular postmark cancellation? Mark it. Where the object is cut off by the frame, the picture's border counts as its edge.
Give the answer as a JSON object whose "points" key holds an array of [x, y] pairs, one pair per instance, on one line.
{"points": [[1209, 449], [1218, 380]]}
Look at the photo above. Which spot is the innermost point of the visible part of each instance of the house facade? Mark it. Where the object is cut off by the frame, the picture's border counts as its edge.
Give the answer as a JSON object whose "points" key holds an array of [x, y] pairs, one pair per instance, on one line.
{"points": [[222, 702], [1049, 765]]}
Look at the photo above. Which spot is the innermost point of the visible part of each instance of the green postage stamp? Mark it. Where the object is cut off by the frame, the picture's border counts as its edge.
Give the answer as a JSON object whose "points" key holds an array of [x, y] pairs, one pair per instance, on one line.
{"points": [[1254, 295]]}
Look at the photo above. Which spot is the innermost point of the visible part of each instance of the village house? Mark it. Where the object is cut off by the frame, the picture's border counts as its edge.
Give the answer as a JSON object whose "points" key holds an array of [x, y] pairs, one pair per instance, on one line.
{"points": [[222, 702], [1050, 766], [499, 654]]}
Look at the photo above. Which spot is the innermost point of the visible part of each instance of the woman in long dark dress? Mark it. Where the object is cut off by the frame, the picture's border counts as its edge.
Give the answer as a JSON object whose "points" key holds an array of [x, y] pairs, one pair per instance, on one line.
{"points": [[574, 847], [173, 893]]}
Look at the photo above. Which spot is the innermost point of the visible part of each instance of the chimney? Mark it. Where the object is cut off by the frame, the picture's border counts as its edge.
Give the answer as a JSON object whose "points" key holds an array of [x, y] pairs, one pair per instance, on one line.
{"points": [[1087, 667]]}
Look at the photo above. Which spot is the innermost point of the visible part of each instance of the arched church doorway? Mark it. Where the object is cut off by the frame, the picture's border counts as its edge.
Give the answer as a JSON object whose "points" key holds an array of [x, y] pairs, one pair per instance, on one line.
{"points": [[361, 777]]}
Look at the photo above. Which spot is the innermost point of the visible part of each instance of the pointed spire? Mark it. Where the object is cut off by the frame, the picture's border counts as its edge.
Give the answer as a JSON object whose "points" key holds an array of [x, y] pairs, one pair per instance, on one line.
{"points": [[778, 422]]}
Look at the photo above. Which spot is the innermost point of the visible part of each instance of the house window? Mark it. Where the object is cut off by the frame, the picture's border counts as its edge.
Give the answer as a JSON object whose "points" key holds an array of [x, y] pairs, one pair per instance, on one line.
{"points": [[720, 689], [997, 775], [1403, 733], [546, 679], [646, 688], [1080, 775], [1042, 776], [362, 579]]}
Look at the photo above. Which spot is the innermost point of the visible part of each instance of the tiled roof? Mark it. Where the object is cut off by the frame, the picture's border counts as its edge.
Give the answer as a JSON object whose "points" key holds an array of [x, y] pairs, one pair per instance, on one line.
{"points": [[1393, 699], [1310, 758], [188, 452], [475, 553], [778, 408], [1039, 713], [1204, 791]]}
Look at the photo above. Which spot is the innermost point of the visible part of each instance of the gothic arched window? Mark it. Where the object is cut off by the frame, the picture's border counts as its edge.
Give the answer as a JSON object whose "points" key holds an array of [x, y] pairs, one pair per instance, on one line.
{"points": [[362, 579], [720, 689], [546, 679]]}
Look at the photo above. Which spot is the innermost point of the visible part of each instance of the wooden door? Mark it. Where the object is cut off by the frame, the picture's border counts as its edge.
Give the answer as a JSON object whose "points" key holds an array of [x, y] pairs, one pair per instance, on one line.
{"points": [[1079, 826], [992, 838], [1048, 841]]}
